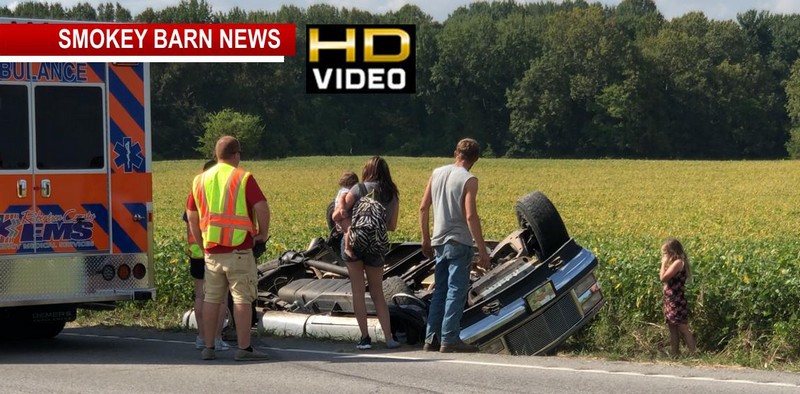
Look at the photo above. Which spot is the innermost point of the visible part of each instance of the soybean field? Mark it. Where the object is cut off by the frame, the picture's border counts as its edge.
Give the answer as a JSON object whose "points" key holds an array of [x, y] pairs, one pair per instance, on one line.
{"points": [[738, 220]]}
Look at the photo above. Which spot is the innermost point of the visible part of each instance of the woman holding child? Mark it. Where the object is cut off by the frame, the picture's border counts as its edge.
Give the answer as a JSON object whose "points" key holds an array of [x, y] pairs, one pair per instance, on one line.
{"points": [[378, 181]]}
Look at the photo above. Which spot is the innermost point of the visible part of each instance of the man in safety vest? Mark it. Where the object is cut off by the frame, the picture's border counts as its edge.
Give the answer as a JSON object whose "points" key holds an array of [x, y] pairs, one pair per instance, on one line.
{"points": [[225, 201], [197, 268]]}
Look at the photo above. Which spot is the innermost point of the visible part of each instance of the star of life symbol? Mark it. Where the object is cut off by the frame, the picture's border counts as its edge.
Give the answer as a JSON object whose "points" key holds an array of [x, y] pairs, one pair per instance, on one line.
{"points": [[8, 226], [129, 155]]}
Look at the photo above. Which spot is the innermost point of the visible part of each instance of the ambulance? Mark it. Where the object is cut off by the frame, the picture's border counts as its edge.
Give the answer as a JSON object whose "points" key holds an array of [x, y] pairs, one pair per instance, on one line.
{"points": [[76, 210]]}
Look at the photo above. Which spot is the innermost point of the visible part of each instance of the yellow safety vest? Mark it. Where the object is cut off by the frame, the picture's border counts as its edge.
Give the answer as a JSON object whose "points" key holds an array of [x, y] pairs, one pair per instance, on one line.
{"points": [[220, 196], [194, 250]]}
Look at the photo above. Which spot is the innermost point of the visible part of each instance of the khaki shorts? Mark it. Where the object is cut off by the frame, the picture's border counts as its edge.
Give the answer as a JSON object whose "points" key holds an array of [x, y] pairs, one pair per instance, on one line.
{"points": [[236, 272]]}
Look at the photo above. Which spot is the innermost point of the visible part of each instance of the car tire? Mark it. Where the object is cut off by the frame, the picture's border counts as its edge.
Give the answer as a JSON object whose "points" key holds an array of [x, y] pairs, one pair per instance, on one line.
{"points": [[268, 266], [408, 323], [536, 212], [276, 273], [394, 285]]}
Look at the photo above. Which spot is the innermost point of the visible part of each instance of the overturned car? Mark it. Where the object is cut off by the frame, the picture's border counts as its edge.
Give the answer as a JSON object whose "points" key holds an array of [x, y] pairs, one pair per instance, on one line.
{"points": [[539, 290]]}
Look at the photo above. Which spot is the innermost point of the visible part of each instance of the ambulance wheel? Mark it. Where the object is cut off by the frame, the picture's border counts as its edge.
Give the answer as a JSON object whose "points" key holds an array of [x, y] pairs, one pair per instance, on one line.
{"points": [[44, 330]]}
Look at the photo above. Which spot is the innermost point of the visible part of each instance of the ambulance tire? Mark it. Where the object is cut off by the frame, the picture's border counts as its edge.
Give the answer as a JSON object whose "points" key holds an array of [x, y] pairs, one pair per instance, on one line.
{"points": [[31, 330], [43, 330]]}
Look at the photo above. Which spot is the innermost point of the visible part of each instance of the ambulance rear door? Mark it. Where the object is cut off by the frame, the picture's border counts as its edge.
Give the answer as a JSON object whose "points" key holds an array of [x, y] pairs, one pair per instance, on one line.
{"points": [[70, 186], [16, 169], [53, 164], [55, 181]]}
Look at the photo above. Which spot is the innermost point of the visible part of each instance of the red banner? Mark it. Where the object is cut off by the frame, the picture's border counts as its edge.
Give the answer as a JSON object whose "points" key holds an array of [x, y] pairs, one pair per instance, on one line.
{"points": [[141, 42]]}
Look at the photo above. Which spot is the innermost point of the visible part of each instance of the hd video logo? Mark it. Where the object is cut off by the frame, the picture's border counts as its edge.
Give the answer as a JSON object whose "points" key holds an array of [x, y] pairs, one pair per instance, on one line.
{"points": [[361, 59]]}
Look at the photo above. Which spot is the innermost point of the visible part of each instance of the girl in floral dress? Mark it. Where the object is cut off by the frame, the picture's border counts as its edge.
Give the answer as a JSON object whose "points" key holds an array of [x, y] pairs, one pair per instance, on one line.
{"points": [[675, 271]]}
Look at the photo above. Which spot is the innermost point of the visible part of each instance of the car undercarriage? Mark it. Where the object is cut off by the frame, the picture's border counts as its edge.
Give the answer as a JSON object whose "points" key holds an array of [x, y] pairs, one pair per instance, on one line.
{"points": [[539, 290]]}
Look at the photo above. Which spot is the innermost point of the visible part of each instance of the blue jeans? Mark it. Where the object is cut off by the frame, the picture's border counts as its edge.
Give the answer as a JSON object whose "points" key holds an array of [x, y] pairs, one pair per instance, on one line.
{"points": [[453, 263]]}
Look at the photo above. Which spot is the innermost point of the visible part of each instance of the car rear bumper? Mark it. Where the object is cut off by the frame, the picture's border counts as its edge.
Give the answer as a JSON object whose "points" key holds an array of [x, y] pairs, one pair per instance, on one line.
{"points": [[544, 317]]}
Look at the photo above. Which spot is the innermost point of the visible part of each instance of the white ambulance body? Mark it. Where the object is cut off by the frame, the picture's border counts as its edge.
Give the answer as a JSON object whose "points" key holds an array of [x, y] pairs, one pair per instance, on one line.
{"points": [[76, 227]]}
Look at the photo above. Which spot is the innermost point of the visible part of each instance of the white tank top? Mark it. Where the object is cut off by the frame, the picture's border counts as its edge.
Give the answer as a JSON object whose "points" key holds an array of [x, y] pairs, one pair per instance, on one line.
{"points": [[447, 193]]}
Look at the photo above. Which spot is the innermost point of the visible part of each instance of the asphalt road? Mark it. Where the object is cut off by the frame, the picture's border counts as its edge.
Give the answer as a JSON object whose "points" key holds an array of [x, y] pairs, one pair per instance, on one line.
{"points": [[100, 360]]}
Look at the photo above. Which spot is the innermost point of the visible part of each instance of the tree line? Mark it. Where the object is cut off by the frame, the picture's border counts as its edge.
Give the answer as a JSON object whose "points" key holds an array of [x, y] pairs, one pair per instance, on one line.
{"points": [[570, 80]]}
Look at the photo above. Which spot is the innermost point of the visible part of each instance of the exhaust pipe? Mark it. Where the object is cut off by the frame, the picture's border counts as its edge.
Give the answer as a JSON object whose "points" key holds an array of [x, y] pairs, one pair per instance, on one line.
{"points": [[317, 326]]}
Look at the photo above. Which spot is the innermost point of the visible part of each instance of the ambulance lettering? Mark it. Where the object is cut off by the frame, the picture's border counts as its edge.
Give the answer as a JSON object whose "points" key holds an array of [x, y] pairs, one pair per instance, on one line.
{"points": [[13, 71], [38, 230], [45, 72], [63, 72]]}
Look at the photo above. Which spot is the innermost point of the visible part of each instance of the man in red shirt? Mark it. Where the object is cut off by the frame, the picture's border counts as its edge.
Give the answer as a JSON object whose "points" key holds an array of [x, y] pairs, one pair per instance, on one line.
{"points": [[216, 216]]}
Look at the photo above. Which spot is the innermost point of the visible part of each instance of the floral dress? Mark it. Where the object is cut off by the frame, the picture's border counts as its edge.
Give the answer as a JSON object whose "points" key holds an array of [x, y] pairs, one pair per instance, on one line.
{"points": [[676, 309]]}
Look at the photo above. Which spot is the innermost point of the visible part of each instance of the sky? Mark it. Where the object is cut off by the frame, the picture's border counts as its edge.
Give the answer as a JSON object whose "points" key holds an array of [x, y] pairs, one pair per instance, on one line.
{"points": [[440, 9]]}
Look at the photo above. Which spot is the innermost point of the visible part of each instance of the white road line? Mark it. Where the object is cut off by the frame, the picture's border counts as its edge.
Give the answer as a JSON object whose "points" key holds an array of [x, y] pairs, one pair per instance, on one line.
{"points": [[466, 362], [126, 338]]}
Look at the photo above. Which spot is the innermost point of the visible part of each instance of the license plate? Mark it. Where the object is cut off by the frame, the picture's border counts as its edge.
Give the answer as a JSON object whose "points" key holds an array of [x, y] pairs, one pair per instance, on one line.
{"points": [[541, 296]]}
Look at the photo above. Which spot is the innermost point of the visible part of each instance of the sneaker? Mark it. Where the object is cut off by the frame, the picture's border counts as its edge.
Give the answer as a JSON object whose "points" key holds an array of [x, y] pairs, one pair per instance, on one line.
{"points": [[199, 343], [208, 353], [431, 347], [244, 355], [220, 345], [392, 344], [365, 343], [459, 347]]}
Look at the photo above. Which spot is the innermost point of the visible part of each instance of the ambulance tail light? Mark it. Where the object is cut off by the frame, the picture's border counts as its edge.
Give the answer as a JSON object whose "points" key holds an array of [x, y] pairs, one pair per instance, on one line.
{"points": [[107, 272], [124, 271], [139, 271]]}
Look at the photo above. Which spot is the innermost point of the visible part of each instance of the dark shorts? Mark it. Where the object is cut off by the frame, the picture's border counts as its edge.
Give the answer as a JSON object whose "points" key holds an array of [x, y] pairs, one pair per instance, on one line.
{"points": [[197, 267], [369, 260]]}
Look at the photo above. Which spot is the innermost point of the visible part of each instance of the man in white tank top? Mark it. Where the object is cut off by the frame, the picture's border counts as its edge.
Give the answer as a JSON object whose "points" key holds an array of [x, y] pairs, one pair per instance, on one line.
{"points": [[452, 191]]}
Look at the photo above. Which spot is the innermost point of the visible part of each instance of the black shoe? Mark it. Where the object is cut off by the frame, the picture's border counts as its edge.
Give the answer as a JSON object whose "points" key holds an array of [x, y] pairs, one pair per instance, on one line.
{"points": [[365, 343], [460, 347]]}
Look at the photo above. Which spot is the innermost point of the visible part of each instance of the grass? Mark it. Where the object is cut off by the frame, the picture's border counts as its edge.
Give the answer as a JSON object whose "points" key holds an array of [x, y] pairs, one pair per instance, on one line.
{"points": [[738, 221]]}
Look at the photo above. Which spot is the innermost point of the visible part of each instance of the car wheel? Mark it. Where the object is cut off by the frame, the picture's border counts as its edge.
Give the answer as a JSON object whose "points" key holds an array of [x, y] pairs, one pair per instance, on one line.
{"points": [[408, 323], [536, 212], [408, 299], [268, 266], [394, 285]]}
